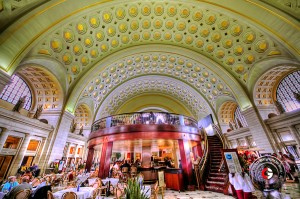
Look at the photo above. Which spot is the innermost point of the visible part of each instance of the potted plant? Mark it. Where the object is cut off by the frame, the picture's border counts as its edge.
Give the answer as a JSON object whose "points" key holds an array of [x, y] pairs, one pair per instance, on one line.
{"points": [[135, 191]]}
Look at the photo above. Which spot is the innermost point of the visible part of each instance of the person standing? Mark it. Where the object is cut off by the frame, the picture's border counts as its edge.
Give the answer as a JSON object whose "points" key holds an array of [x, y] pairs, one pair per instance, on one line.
{"points": [[248, 187], [236, 181]]}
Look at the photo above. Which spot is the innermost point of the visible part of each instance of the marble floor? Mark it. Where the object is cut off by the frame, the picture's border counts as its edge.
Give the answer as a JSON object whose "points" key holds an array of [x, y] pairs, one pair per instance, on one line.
{"points": [[291, 190]]}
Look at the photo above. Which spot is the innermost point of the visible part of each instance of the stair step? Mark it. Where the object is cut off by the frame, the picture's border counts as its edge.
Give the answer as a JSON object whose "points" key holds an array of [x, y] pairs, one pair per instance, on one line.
{"points": [[214, 188], [214, 178], [216, 174], [215, 182]]}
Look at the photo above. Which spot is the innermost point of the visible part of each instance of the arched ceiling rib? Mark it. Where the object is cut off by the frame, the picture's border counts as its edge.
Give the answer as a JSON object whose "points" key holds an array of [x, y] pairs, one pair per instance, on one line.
{"points": [[189, 97]]}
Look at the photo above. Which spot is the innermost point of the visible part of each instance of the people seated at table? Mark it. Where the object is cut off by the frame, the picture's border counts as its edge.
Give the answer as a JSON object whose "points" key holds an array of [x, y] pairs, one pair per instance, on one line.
{"points": [[11, 183], [125, 165], [24, 185], [35, 182], [27, 173]]}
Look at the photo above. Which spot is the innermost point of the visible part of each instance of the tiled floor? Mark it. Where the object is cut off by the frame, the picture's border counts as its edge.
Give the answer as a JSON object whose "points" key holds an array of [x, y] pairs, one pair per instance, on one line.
{"points": [[289, 189]]}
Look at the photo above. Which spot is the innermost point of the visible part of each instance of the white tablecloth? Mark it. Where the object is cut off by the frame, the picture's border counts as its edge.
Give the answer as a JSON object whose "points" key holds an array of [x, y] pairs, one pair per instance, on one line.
{"points": [[146, 188], [113, 181], [84, 192], [2, 195]]}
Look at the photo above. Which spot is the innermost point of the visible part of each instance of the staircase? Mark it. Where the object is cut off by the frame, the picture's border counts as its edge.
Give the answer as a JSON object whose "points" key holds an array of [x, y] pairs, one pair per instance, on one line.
{"points": [[216, 180]]}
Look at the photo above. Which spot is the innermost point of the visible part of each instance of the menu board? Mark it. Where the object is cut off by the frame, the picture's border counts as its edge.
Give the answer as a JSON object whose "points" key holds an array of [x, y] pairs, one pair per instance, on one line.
{"points": [[161, 179], [233, 162]]}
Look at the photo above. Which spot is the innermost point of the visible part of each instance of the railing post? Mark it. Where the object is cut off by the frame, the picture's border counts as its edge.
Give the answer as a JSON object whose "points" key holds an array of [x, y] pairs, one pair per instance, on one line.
{"points": [[108, 122]]}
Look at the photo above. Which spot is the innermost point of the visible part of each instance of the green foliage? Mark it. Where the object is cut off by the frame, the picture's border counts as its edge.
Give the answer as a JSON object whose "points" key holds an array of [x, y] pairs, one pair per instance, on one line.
{"points": [[134, 191], [118, 155]]}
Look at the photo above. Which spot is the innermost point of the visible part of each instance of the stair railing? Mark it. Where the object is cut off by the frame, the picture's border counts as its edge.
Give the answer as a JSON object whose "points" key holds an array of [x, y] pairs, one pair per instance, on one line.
{"points": [[201, 166]]}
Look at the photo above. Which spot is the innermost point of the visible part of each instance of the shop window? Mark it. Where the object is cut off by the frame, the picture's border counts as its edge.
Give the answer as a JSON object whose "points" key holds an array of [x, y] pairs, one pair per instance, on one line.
{"points": [[287, 92], [14, 91], [78, 151], [239, 118], [33, 145], [11, 142], [72, 149]]}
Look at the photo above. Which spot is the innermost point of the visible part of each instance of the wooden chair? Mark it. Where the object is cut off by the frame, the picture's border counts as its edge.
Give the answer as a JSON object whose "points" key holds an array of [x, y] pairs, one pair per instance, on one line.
{"points": [[50, 195], [69, 195], [23, 194], [102, 188]]}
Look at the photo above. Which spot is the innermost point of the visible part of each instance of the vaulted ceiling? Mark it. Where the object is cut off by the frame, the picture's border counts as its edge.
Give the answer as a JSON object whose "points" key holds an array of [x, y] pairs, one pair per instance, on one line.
{"points": [[106, 53]]}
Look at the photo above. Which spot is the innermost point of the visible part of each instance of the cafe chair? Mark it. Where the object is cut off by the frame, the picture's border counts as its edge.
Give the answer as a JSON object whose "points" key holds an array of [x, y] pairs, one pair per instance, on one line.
{"points": [[23, 194], [102, 188], [69, 195], [50, 195], [41, 193], [119, 193], [155, 190]]}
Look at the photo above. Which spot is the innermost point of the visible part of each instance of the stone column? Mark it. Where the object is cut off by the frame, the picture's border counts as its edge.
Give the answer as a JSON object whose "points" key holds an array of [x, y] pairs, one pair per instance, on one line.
{"points": [[4, 135], [276, 143], [89, 159], [40, 152], [66, 149], [60, 137], [258, 130], [281, 143], [20, 155], [4, 80], [296, 136], [76, 149]]}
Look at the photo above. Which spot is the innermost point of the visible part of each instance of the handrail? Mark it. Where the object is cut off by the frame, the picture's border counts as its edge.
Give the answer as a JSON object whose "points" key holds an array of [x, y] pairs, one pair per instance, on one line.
{"points": [[221, 136], [200, 168], [143, 118]]}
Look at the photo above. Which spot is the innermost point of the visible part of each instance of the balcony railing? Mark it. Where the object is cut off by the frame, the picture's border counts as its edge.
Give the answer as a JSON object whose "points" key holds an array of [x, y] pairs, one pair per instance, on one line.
{"points": [[143, 118]]}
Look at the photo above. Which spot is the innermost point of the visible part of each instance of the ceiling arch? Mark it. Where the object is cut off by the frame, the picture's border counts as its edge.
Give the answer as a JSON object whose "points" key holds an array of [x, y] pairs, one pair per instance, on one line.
{"points": [[265, 87], [48, 92], [42, 19], [209, 79], [185, 94], [226, 112], [83, 117], [88, 38]]}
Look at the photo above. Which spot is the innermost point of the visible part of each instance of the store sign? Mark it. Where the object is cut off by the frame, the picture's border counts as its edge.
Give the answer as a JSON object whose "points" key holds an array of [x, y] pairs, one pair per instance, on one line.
{"points": [[232, 161]]}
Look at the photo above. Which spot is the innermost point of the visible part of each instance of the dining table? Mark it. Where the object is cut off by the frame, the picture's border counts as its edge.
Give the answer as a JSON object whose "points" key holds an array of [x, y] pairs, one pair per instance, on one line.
{"points": [[112, 181], [83, 193]]}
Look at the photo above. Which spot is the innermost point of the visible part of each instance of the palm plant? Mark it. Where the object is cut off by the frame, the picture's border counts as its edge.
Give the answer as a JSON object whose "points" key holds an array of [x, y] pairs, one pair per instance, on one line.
{"points": [[134, 190]]}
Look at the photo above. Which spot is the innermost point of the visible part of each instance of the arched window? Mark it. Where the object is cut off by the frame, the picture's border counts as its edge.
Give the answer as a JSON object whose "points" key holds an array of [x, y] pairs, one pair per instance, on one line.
{"points": [[14, 91], [286, 90], [239, 117]]}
